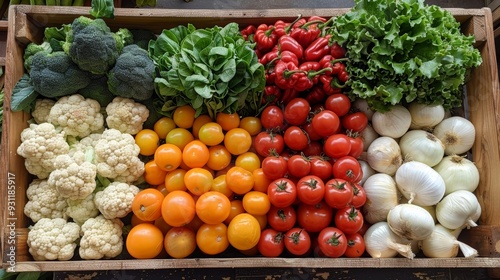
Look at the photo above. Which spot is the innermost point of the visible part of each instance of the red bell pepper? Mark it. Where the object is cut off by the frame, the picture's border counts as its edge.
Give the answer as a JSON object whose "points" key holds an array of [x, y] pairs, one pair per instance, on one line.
{"points": [[317, 49], [306, 33], [281, 27], [268, 57], [265, 38], [336, 65], [288, 43], [248, 32], [270, 76], [336, 50], [316, 18], [330, 84], [287, 74], [316, 95], [343, 76], [303, 82], [272, 94], [289, 94], [311, 68]]}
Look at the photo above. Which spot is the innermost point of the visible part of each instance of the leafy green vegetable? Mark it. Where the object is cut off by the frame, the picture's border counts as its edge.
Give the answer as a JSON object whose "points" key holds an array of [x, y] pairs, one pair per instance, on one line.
{"points": [[213, 69], [404, 51], [102, 8], [23, 95]]}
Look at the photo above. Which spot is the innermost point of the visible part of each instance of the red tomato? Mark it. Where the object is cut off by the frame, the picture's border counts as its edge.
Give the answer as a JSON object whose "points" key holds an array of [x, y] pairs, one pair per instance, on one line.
{"points": [[266, 140], [338, 193], [271, 243], [314, 218], [357, 145], [313, 135], [359, 195], [295, 138], [272, 117], [299, 165], [355, 122], [321, 168], [339, 103], [297, 111], [310, 189], [349, 220], [297, 241], [332, 242], [355, 245], [281, 218], [326, 123], [274, 166], [348, 168], [282, 192], [337, 145], [315, 148]]}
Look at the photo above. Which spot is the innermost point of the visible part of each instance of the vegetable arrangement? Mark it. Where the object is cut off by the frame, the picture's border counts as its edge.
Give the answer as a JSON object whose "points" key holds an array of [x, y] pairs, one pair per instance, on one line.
{"points": [[263, 144]]}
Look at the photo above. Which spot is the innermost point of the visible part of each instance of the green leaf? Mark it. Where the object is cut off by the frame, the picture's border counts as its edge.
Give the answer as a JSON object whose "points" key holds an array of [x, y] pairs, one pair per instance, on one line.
{"points": [[23, 94], [103, 9], [28, 275], [228, 71]]}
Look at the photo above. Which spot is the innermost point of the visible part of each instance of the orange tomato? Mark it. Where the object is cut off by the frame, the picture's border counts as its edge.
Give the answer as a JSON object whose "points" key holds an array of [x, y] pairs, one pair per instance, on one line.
{"points": [[262, 219], [144, 241], [211, 134], [174, 180], [218, 157], [219, 185], [162, 225], [213, 207], [251, 124], [212, 239], [163, 126], [237, 141], [134, 220], [147, 204], [195, 154], [228, 121], [179, 137], [147, 140], [243, 232], [199, 122], [198, 180], [195, 224], [249, 160], [184, 116], [180, 242], [168, 157], [162, 189], [178, 208], [224, 171], [153, 175], [256, 203], [236, 208], [261, 181], [239, 180]]}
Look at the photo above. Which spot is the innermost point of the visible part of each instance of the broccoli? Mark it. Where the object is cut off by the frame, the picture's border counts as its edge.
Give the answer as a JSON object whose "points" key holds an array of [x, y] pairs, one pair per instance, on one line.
{"points": [[133, 74], [142, 37], [32, 49], [55, 74], [98, 90]]}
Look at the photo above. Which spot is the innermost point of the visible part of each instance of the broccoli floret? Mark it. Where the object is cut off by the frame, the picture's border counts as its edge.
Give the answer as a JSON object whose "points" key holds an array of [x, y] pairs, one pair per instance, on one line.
{"points": [[98, 90], [133, 74], [142, 37], [55, 74], [92, 45], [32, 49], [124, 37]]}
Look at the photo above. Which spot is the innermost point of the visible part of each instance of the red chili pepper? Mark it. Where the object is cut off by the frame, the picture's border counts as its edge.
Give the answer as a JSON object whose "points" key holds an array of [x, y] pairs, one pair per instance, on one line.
{"points": [[287, 74], [311, 67], [316, 18], [265, 38], [330, 84], [316, 95], [248, 32], [306, 33], [272, 94], [336, 50], [287, 43], [343, 76], [336, 65], [317, 49], [303, 82], [268, 57], [289, 94]]}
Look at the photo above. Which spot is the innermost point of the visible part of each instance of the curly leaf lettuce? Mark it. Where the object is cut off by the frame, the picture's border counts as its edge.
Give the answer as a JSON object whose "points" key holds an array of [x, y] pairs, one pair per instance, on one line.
{"points": [[404, 51]]}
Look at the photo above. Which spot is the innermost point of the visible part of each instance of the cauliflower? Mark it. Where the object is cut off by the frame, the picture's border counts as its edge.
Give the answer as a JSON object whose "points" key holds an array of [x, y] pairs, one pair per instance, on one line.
{"points": [[44, 201], [77, 115], [53, 239], [80, 210], [74, 176], [84, 144], [115, 201], [42, 109], [101, 238], [126, 115], [40, 145], [117, 157]]}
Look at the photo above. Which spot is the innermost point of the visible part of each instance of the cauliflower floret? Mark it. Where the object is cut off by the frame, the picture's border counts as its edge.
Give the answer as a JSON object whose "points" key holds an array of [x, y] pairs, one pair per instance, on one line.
{"points": [[115, 201], [53, 239], [126, 115], [74, 176], [44, 201], [117, 157], [101, 238], [77, 115], [84, 144], [42, 109], [40, 145], [80, 210]]}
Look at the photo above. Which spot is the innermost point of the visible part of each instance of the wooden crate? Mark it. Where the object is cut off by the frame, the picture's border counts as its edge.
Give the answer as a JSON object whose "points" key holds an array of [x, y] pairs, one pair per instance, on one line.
{"points": [[26, 24]]}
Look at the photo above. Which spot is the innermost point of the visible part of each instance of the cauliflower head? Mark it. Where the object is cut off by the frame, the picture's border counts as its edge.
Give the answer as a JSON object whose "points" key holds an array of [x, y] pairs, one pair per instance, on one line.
{"points": [[117, 157], [101, 238], [80, 210], [40, 145], [77, 115], [44, 201], [42, 109], [126, 115], [73, 176], [53, 239], [115, 201]]}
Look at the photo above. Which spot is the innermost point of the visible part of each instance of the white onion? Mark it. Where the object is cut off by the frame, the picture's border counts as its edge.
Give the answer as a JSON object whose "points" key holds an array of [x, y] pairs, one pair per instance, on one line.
{"points": [[420, 145], [458, 209], [381, 242], [431, 209], [381, 196], [458, 173], [424, 116], [393, 123], [443, 243], [367, 170], [368, 135], [362, 105], [384, 155], [410, 221], [456, 133], [419, 183]]}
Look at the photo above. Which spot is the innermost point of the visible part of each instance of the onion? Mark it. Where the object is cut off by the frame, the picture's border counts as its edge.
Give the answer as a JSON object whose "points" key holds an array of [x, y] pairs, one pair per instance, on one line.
{"points": [[443, 243], [367, 170], [410, 221], [458, 173], [384, 155], [420, 145], [393, 123], [425, 117], [456, 133], [362, 105], [381, 242], [381, 196], [458, 209], [368, 135], [419, 183]]}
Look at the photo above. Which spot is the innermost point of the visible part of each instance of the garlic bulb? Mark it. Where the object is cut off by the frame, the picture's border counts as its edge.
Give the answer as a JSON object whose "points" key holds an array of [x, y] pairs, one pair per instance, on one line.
{"points": [[384, 155], [420, 145], [367, 170], [456, 133], [381, 242], [381, 196], [458, 209], [368, 135], [393, 123], [444, 244], [419, 183], [458, 173], [424, 116], [361, 105], [410, 221]]}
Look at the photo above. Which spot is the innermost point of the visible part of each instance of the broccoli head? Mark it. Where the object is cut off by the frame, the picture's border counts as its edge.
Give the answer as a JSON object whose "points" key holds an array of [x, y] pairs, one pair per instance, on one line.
{"points": [[133, 74], [98, 90], [55, 74], [32, 49]]}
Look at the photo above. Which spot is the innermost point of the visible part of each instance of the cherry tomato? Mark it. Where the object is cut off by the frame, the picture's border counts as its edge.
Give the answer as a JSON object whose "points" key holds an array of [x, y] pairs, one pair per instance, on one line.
{"points": [[163, 126], [147, 140], [332, 242], [211, 134], [315, 148], [357, 145], [154, 175], [355, 122], [239, 180], [168, 157], [237, 141], [347, 168], [337, 145], [198, 123], [267, 140], [326, 123], [297, 241], [311, 133], [249, 160], [339, 103], [195, 154], [198, 180], [310, 189], [228, 121], [296, 111], [256, 203], [272, 118], [349, 219], [321, 168], [281, 218], [180, 242], [338, 193], [282, 192], [274, 166], [299, 165], [179, 137], [314, 218], [261, 182], [271, 243], [218, 157], [355, 245], [251, 124], [295, 138], [184, 116], [213, 207], [359, 195]]}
